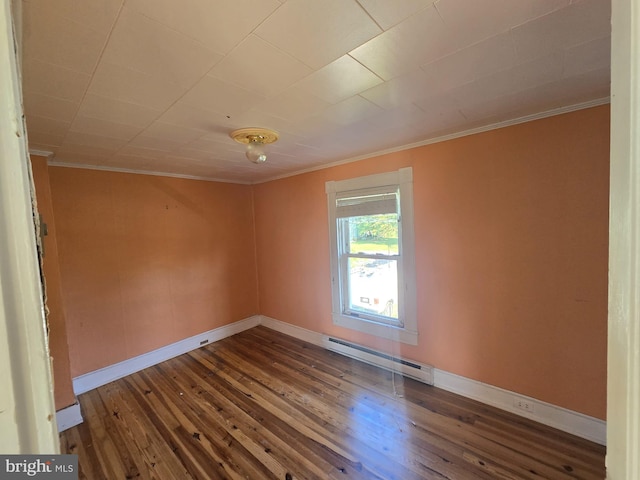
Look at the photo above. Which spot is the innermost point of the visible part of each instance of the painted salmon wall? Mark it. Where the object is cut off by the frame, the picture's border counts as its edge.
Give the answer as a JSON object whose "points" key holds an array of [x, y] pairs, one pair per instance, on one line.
{"points": [[58, 346], [147, 261], [511, 232]]}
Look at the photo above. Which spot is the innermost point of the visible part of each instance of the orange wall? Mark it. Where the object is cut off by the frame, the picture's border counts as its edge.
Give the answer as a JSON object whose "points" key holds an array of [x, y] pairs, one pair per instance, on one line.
{"points": [[147, 261], [511, 251], [58, 347]]}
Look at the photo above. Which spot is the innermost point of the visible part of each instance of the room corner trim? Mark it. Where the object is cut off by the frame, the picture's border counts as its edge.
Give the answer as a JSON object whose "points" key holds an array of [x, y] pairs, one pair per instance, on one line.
{"points": [[97, 378], [69, 417], [569, 421]]}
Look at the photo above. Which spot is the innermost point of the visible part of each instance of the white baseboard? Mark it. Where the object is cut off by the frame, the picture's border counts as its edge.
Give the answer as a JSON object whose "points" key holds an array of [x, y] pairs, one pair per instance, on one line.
{"points": [[100, 377], [68, 417], [561, 418], [300, 333]]}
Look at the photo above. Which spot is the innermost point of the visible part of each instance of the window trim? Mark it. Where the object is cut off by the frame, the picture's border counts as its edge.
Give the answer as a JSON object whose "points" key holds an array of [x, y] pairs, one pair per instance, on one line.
{"points": [[408, 333]]}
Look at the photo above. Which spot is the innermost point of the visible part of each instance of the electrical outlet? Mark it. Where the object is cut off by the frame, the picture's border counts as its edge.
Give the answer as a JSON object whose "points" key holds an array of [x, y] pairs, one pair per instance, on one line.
{"points": [[203, 342], [523, 404]]}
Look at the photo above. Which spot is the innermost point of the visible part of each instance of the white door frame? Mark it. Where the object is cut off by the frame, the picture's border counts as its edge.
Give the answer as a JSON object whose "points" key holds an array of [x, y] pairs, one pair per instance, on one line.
{"points": [[27, 411], [623, 375]]}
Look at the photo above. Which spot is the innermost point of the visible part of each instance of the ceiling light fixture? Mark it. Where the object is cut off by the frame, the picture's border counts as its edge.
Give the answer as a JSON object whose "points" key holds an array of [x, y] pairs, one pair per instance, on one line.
{"points": [[255, 139]]}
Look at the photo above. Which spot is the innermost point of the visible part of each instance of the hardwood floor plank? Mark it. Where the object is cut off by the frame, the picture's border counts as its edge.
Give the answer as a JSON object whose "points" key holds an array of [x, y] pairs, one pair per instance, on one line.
{"points": [[262, 405]]}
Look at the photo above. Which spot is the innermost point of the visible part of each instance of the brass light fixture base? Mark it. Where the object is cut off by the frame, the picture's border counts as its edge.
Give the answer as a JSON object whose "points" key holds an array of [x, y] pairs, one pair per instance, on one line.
{"points": [[254, 134]]}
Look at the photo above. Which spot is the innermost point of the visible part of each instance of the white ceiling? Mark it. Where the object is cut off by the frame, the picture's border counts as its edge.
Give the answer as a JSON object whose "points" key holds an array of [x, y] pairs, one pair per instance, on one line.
{"points": [[157, 85]]}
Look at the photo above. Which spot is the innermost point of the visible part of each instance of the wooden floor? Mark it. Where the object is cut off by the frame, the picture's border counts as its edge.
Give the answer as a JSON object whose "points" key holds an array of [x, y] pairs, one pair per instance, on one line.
{"points": [[262, 405]]}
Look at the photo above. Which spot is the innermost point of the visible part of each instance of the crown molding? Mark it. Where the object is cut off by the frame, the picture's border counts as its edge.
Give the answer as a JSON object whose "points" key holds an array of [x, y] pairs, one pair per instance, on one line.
{"points": [[41, 153], [143, 172], [428, 141], [443, 138]]}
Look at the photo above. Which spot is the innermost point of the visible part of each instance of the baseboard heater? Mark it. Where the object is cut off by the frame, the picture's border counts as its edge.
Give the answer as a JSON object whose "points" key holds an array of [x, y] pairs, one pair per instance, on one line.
{"points": [[417, 371]]}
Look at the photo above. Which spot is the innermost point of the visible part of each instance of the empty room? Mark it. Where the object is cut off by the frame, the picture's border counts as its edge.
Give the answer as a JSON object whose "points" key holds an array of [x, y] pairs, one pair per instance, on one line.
{"points": [[298, 239]]}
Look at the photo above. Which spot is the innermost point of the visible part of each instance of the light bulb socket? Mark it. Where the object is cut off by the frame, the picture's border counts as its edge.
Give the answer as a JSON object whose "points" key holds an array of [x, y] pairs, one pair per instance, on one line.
{"points": [[255, 139]]}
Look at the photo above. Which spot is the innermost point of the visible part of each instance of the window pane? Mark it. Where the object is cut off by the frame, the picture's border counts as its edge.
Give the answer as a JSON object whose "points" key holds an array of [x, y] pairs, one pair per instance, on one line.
{"points": [[373, 286], [373, 234]]}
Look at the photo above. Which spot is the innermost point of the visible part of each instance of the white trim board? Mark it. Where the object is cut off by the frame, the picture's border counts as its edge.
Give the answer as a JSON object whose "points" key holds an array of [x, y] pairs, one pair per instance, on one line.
{"points": [[100, 377], [69, 417], [563, 419], [554, 416], [448, 136]]}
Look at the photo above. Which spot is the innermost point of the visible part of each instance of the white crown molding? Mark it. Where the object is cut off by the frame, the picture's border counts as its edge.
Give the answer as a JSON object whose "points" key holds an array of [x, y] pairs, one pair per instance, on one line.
{"points": [[40, 153], [450, 136], [429, 141], [53, 163]]}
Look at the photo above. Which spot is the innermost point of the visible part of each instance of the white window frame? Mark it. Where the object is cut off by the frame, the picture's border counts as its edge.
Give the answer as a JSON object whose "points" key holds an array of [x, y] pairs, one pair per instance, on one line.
{"points": [[407, 332]]}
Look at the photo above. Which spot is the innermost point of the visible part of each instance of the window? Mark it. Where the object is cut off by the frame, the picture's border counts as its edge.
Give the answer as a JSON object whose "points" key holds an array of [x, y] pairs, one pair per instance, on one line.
{"points": [[372, 254]]}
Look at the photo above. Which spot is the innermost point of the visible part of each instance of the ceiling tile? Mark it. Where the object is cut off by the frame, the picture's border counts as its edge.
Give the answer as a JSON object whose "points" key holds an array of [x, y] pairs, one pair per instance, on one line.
{"points": [[398, 117], [50, 107], [472, 22], [175, 132], [213, 94], [257, 66], [420, 39], [574, 25], [95, 126], [98, 15], [587, 57], [123, 161], [194, 118], [528, 74], [387, 13], [539, 71], [42, 140], [442, 112], [48, 126], [351, 110], [141, 152], [74, 149], [405, 89], [60, 41], [299, 27], [549, 96], [293, 105], [158, 101], [117, 111], [339, 80], [99, 141], [144, 45], [217, 24], [161, 144], [209, 156], [124, 84], [487, 57], [223, 144], [54, 81], [85, 159]]}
